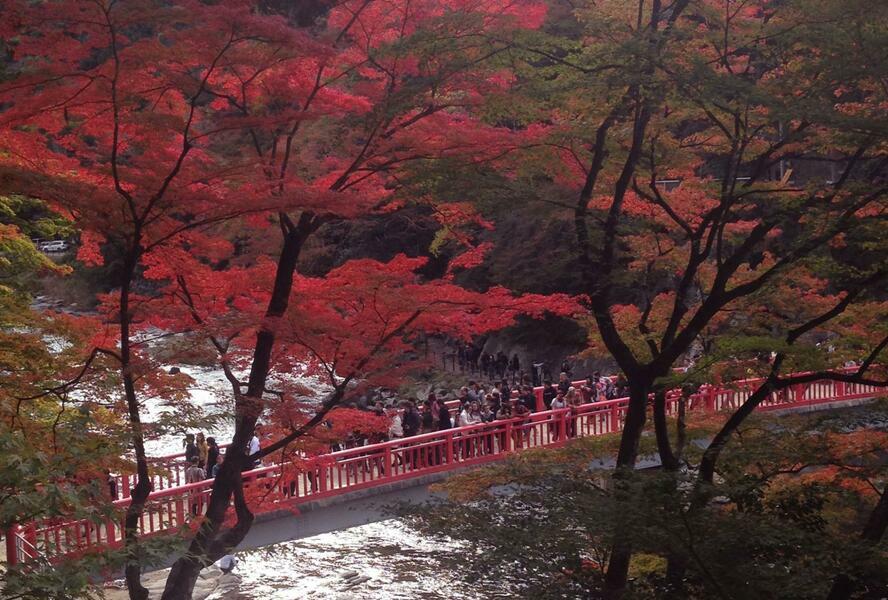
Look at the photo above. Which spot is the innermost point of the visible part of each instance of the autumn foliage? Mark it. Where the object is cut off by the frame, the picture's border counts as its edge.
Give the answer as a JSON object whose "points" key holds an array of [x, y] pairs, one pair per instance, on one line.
{"points": [[719, 168]]}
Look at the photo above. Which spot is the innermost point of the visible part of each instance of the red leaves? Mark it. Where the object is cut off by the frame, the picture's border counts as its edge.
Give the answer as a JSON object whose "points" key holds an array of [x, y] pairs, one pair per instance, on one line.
{"points": [[470, 259], [359, 321], [175, 133], [90, 250]]}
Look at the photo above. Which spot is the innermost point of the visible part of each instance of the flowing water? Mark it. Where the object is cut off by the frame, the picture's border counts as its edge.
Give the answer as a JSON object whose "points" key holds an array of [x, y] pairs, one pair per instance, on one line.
{"points": [[380, 561]]}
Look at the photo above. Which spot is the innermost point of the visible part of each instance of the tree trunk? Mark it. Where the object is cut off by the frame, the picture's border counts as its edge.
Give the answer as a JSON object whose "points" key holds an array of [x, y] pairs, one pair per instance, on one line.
{"points": [[138, 496], [676, 561], [621, 552], [636, 416], [210, 543], [681, 435], [139, 493], [661, 428]]}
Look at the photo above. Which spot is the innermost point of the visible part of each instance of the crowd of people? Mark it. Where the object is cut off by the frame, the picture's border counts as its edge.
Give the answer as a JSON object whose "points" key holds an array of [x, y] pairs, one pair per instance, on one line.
{"points": [[203, 457], [473, 404], [471, 358], [478, 402]]}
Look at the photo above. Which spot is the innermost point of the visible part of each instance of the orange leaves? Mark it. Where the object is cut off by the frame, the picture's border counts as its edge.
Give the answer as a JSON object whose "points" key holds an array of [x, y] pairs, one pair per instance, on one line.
{"points": [[850, 460], [859, 443], [185, 98], [173, 131], [689, 201]]}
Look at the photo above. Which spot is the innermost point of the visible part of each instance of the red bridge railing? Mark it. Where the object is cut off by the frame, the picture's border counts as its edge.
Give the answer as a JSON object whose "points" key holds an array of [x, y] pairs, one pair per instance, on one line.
{"points": [[172, 507]]}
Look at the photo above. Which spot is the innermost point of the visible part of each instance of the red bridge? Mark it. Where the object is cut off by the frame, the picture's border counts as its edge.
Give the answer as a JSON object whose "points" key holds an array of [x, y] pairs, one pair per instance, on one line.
{"points": [[173, 506]]}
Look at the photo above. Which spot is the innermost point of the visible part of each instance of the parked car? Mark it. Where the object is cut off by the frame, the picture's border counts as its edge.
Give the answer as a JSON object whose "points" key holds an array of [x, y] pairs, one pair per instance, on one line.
{"points": [[53, 246]]}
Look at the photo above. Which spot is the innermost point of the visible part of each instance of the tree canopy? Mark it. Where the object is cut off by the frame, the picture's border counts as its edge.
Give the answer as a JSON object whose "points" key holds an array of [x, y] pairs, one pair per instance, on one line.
{"points": [[714, 172]]}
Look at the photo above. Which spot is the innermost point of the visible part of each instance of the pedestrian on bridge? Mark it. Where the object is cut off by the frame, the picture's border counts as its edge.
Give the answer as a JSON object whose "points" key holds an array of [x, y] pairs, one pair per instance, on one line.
{"points": [[214, 472], [212, 456], [429, 415], [564, 383], [203, 450], [193, 474], [520, 432], [444, 420], [574, 401], [190, 447], [253, 448], [549, 393], [412, 420]]}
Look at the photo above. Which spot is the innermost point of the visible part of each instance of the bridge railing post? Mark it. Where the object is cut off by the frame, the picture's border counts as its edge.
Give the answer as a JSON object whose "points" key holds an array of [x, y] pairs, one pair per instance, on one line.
{"points": [[31, 534], [449, 450], [12, 557], [387, 462], [110, 532], [322, 477], [798, 393], [839, 389], [710, 398], [180, 511]]}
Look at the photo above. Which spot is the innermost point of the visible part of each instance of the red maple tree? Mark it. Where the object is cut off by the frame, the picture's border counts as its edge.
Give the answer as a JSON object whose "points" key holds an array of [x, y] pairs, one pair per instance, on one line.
{"points": [[157, 126]]}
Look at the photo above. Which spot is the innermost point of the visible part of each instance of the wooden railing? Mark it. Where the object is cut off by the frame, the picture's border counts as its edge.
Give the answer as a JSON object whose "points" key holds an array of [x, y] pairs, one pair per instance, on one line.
{"points": [[173, 508]]}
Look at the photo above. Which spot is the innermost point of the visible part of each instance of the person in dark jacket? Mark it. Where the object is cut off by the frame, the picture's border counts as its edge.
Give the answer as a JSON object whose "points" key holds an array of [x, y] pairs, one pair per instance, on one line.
{"points": [[411, 421], [503, 388], [190, 447], [502, 364], [549, 393], [494, 403], [444, 421], [528, 398], [486, 364], [428, 417], [212, 455], [112, 484], [564, 383], [621, 387]]}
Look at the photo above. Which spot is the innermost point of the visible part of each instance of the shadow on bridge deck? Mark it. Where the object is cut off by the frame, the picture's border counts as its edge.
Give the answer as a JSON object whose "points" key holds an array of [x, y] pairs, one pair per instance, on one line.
{"points": [[340, 512], [369, 505]]}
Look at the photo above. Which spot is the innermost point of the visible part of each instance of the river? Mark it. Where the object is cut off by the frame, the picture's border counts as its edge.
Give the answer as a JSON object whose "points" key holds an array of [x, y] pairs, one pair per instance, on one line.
{"points": [[386, 560]]}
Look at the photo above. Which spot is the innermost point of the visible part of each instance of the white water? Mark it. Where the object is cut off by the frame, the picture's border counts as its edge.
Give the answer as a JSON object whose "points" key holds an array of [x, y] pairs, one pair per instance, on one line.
{"points": [[211, 393], [379, 561]]}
